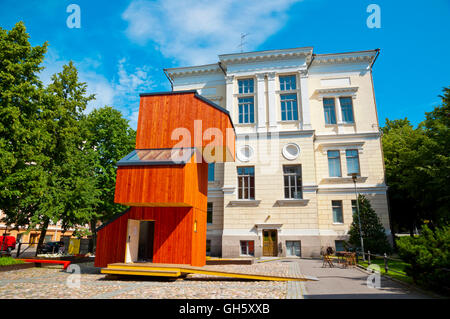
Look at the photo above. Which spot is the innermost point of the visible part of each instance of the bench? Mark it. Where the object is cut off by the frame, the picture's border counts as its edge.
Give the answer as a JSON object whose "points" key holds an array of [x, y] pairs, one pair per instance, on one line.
{"points": [[65, 263]]}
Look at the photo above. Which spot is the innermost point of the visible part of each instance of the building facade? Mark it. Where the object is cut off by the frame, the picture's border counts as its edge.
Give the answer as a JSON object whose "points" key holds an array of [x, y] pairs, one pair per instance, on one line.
{"points": [[304, 122]]}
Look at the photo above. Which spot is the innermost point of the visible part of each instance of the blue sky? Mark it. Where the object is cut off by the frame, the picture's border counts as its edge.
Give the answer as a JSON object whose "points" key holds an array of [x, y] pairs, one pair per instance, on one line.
{"points": [[122, 46]]}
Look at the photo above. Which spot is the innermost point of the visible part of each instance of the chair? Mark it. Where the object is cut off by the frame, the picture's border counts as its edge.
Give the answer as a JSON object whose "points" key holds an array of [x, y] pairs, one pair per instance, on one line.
{"points": [[327, 260]]}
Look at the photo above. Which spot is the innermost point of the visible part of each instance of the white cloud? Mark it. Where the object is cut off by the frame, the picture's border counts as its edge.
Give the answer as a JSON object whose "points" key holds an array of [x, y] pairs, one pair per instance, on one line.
{"points": [[122, 91], [196, 31]]}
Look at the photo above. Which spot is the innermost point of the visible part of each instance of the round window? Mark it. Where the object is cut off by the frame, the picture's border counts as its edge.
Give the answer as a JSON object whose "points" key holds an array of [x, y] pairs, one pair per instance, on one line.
{"points": [[291, 151], [245, 153]]}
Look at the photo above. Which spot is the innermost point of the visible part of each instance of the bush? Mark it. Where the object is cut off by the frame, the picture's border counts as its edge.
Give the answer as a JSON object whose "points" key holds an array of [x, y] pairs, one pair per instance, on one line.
{"points": [[428, 255], [373, 233]]}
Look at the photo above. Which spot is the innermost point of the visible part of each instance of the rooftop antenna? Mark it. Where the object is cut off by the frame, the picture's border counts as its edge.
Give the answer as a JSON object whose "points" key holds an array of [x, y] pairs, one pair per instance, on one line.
{"points": [[243, 35]]}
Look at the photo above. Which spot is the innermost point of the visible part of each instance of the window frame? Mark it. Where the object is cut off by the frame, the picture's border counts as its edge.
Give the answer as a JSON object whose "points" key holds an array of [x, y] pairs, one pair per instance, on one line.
{"points": [[209, 212], [334, 110], [249, 89], [293, 102], [333, 206], [353, 158], [250, 114], [290, 77], [294, 176], [247, 248], [249, 183], [342, 109], [213, 165], [338, 158]]}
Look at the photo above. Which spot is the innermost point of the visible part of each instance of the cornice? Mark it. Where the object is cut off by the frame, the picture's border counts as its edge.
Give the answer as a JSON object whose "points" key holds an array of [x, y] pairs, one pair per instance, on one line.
{"points": [[352, 89], [326, 137], [266, 55], [349, 57], [194, 70]]}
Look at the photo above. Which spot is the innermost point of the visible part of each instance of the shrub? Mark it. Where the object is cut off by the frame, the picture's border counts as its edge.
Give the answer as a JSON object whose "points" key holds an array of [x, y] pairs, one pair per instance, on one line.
{"points": [[373, 233], [428, 255]]}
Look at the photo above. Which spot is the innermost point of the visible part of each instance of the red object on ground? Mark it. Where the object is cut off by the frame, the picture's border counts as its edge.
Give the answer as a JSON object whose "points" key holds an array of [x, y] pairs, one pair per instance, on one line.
{"points": [[66, 263], [7, 242]]}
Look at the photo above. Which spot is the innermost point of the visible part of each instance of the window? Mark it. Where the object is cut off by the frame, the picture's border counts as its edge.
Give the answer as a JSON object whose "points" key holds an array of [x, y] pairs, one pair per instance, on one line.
{"points": [[246, 182], [354, 208], [352, 161], [209, 213], [246, 86], [287, 83], [208, 247], [211, 172], [293, 248], [247, 247], [329, 110], [48, 238], [337, 211], [334, 164], [289, 110], [246, 110], [339, 245], [347, 109], [292, 181]]}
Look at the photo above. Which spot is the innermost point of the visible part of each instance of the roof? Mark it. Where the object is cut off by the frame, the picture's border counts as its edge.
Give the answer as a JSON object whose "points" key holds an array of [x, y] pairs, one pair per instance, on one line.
{"points": [[198, 96], [158, 156]]}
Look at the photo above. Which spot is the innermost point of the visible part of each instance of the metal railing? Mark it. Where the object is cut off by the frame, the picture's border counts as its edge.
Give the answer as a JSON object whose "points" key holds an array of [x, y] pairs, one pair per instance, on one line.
{"points": [[386, 261]]}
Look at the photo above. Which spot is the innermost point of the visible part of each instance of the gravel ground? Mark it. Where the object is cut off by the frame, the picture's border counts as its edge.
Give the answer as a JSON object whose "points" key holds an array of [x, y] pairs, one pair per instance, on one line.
{"points": [[52, 283]]}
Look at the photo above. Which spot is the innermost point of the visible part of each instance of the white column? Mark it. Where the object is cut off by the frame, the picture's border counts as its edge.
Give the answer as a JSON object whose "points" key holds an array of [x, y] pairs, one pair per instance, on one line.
{"points": [[272, 100], [306, 113], [229, 79], [261, 100], [340, 124]]}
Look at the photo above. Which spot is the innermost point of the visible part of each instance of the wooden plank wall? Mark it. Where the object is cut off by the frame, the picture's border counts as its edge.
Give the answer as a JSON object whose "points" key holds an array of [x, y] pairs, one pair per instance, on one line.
{"points": [[199, 239], [160, 115], [172, 242], [136, 185]]}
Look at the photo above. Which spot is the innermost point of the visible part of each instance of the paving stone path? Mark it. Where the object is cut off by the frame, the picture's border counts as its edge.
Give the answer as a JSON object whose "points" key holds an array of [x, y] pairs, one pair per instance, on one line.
{"points": [[35, 283], [350, 283]]}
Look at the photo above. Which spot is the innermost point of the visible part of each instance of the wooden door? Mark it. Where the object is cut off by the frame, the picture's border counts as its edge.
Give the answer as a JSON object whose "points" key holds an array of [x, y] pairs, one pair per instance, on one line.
{"points": [[132, 243], [270, 242]]}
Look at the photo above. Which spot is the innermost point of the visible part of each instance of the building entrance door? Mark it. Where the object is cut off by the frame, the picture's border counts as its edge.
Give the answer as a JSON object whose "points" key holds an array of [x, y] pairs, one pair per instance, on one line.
{"points": [[146, 235], [270, 242]]}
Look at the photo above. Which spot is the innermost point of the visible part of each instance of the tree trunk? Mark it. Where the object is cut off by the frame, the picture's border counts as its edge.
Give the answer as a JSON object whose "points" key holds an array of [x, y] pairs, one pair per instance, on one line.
{"points": [[43, 230], [94, 235]]}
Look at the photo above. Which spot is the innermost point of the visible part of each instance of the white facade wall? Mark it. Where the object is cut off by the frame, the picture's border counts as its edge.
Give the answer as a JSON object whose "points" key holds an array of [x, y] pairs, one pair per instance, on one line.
{"points": [[309, 220]]}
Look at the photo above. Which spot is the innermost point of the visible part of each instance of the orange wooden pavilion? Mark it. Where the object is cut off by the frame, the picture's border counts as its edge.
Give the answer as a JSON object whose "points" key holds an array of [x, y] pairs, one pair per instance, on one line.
{"points": [[165, 181]]}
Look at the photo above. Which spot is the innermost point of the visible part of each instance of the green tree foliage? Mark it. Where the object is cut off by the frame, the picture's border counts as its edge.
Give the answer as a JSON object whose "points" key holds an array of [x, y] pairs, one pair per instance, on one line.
{"points": [[46, 171], [373, 233], [428, 255], [418, 168], [112, 139], [71, 192], [22, 181]]}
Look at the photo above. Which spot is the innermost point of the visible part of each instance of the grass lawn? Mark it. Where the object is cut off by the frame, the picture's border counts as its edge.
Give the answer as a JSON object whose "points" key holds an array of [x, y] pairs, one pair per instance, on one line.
{"points": [[398, 266], [6, 261]]}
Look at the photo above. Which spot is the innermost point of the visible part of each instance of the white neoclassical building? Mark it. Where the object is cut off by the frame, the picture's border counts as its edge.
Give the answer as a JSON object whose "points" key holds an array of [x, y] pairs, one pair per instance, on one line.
{"points": [[304, 122]]}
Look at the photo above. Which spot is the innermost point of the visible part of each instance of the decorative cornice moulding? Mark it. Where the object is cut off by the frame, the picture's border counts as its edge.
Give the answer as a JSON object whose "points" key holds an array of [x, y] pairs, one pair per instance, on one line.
{"points": [[266, 55], [193, 70]]}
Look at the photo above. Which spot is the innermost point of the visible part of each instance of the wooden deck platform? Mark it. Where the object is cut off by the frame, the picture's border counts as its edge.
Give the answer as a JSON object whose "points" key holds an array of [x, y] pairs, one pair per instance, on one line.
{"points": [[178, 270]]}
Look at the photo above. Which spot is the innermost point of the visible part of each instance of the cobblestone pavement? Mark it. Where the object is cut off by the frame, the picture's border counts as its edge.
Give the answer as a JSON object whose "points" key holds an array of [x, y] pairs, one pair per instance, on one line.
{"points": [[52, 283], [349, 283], [333, 283]]}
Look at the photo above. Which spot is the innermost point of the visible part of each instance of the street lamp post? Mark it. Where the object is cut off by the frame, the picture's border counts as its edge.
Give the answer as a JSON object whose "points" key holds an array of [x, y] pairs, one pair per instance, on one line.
{"points": [[354, 176]]}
